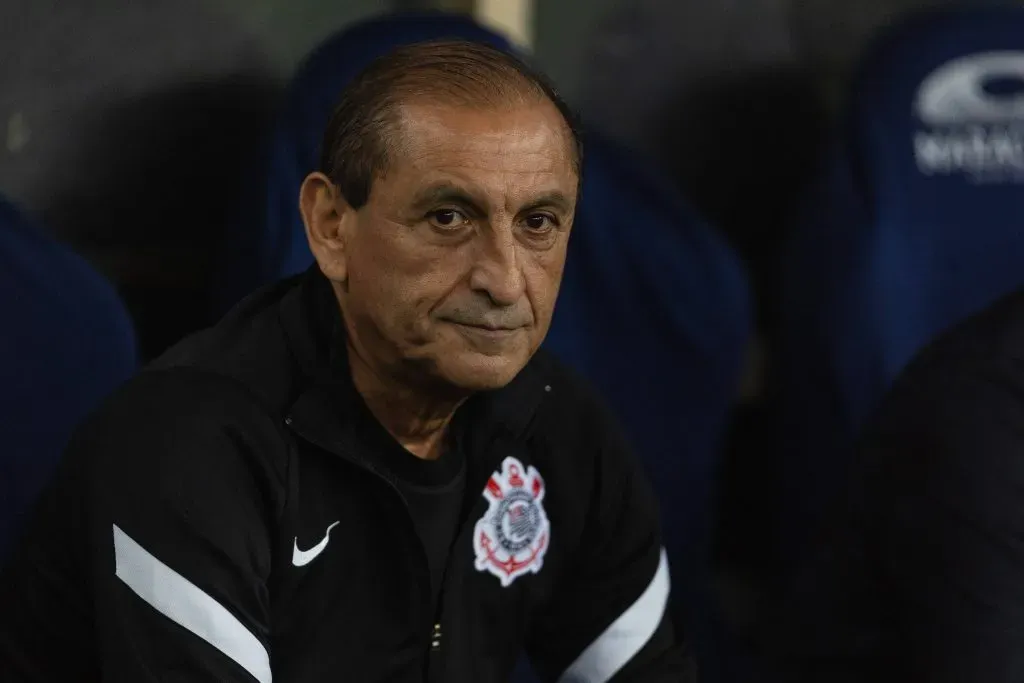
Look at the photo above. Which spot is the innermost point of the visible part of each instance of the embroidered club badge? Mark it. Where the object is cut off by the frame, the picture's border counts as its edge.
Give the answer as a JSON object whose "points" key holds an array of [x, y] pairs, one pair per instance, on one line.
{"points": [[513, 535]]}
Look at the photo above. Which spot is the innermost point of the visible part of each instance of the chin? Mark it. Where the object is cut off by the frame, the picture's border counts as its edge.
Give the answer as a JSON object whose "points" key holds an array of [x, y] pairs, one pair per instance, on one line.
{"points": [[476, 372]]}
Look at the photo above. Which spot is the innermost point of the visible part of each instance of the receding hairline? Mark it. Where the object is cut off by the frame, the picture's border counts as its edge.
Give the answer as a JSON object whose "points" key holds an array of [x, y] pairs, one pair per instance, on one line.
{"points": [[393, 135], [412, 108], [444, 73]]}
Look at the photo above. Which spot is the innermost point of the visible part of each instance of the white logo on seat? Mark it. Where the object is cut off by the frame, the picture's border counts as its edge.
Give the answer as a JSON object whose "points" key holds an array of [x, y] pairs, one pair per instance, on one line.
{"points": [[300, 558], [971, 131], [513, 535], [955, 92]]}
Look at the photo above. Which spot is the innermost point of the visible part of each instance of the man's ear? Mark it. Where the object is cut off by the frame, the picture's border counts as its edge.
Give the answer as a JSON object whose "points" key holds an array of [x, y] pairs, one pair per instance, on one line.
{"points": [[327, 217]]}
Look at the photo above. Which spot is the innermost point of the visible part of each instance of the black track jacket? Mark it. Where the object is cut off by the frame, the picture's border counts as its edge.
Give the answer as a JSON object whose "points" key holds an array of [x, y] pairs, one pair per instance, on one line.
{"points": [[219, 520]]}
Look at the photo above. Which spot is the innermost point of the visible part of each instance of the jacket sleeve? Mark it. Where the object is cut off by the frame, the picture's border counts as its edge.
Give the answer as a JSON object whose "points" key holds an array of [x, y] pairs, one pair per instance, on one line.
{"points": [[179, 502], [609, 618]]}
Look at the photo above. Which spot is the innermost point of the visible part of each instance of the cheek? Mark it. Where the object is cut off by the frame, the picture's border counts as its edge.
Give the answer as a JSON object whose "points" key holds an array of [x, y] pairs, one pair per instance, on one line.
{"points": [[402, 284], [543, 279]]}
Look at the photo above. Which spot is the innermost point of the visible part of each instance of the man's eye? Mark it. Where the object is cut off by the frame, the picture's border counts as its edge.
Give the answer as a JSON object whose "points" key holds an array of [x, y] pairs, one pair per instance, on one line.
{"points": [[539, 222], [447, 219]]}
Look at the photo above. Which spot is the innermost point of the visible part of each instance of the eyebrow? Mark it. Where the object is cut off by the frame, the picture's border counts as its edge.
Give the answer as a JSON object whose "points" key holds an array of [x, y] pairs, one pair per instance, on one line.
{"points": [[555, 199], [448, 192]]}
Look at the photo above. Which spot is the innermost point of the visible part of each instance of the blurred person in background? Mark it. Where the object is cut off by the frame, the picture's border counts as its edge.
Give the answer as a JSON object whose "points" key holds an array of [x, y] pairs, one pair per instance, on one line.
{"points": [[920, 578], [368, 471]]}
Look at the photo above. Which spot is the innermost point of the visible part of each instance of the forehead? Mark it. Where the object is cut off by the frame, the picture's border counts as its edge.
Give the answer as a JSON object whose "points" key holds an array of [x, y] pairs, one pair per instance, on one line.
{"points": [[516, 150]]}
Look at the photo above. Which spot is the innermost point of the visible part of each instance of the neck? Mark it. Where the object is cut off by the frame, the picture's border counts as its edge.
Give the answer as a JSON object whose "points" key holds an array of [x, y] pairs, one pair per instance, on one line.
{"points": [[416, 418]]}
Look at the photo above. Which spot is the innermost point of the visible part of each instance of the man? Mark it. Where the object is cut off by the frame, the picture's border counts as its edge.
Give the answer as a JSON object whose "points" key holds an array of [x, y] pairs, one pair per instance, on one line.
{"points": [[366, 473], [922, 579]]}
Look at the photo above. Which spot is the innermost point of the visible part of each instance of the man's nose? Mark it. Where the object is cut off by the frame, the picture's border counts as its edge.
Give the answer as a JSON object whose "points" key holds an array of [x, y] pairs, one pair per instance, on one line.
{"points": [[497, 271]]}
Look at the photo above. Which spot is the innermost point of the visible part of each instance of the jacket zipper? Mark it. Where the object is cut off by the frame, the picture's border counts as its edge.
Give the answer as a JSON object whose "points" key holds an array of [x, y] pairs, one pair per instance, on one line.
{"points": [[435, 660], [435, 636], [451, 574], [434, 648]]}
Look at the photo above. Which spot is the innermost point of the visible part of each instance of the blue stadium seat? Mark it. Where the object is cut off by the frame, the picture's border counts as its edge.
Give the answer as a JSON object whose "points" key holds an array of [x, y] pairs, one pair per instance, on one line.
{"points": [[653, 308], [65, 343], [915, 225]]}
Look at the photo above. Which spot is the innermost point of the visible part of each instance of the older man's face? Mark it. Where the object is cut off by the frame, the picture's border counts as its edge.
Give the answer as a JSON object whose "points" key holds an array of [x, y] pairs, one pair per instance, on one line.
{"points": [[454, 264]]}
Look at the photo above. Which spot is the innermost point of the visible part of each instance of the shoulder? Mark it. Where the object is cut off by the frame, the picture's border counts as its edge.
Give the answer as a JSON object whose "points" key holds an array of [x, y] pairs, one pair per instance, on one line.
{"points": [[980, 359], [997, 330], [172, 455], [247, 352], [219, 396], [576, 396], [572, 412], [579, 437], [177, 424], [172, 397]]}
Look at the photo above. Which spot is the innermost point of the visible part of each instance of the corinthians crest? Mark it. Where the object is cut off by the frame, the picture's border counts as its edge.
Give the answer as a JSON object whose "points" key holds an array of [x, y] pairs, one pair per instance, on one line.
{"points": [[513, 535]]}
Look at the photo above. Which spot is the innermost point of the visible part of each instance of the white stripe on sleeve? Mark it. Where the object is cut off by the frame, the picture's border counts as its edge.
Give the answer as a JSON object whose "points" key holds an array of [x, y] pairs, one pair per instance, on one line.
{"points": [[181, 601], [626, 636]]}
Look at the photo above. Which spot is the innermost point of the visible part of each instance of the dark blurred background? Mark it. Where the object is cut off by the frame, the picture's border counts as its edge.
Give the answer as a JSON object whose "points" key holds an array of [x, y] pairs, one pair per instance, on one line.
{"points": [[126, 125]]}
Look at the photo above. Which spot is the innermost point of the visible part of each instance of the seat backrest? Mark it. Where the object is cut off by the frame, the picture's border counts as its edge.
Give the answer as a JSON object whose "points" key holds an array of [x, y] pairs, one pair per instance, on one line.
{"points": [[65, 343], [653, 308], [915, 227]]}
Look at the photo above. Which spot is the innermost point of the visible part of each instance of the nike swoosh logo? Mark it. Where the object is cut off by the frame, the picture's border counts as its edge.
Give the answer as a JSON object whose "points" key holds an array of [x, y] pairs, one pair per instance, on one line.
{"points": [[301, 558]]}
